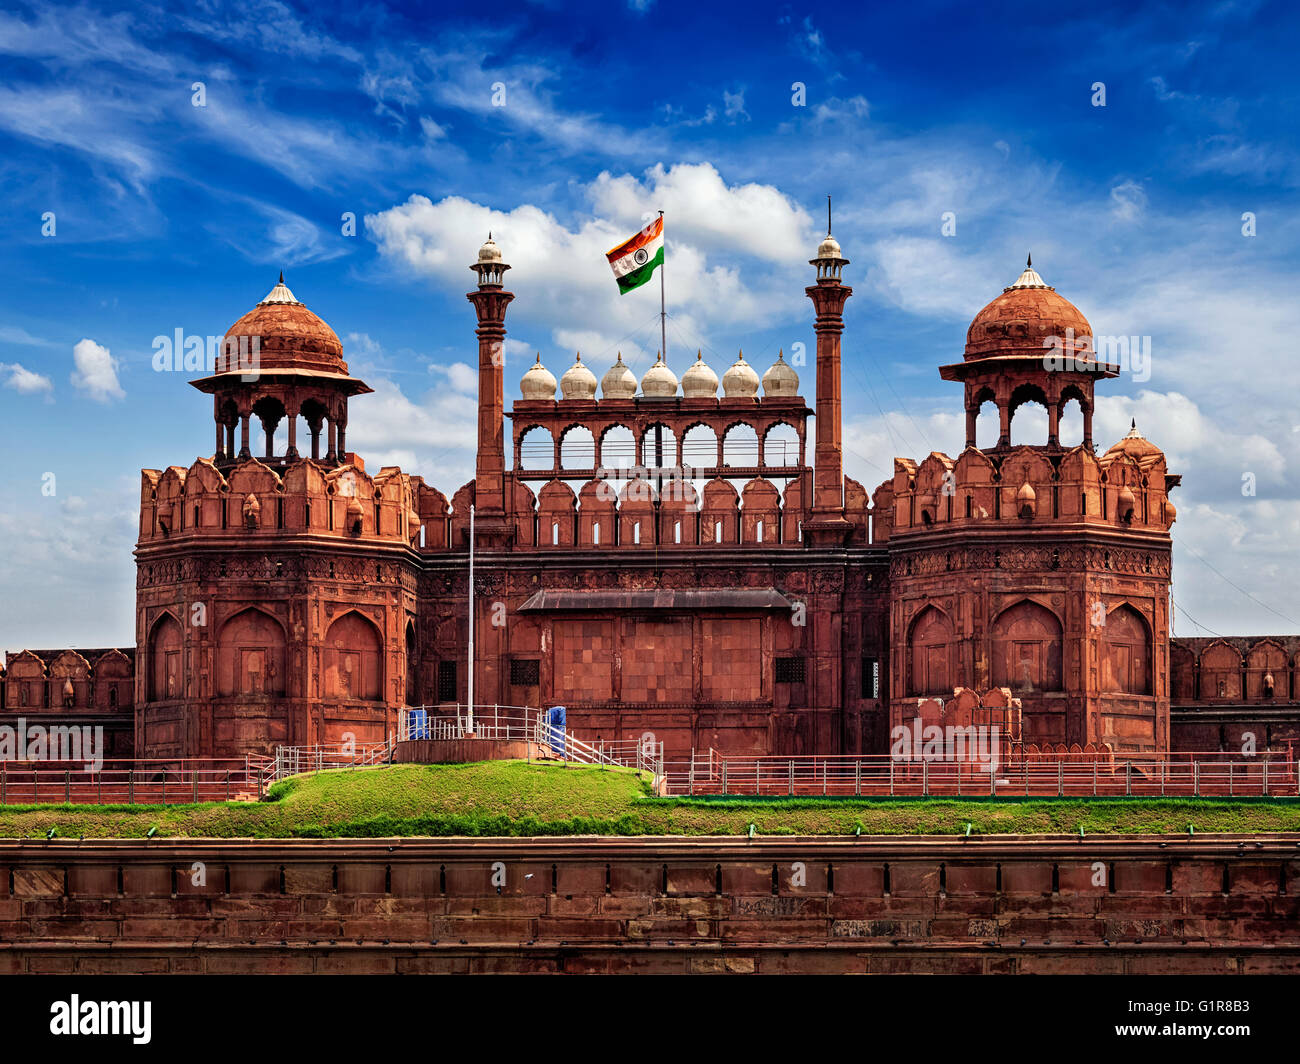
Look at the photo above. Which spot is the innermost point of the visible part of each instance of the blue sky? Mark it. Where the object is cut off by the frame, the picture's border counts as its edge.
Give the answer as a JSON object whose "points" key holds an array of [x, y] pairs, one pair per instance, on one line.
{"points": [[168, 215]]}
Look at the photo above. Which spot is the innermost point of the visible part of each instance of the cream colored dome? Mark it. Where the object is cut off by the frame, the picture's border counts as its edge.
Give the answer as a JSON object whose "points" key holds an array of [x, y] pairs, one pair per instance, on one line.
{"points": [[578, 381], [780, 379], [489, 252], [740, 381], [659, 381], [829, 248], [538, 382], [699, 382], [619, 382]]}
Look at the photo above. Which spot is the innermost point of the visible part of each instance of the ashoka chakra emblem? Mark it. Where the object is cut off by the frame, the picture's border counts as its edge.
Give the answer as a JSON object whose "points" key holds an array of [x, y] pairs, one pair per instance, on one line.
{"points": [[640, 256]]}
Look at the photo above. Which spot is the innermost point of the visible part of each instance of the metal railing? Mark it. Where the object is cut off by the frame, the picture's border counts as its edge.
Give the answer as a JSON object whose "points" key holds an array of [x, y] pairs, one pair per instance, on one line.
{"points": [[530, 725], [295, 760], [127, 781], [1172, 774]]}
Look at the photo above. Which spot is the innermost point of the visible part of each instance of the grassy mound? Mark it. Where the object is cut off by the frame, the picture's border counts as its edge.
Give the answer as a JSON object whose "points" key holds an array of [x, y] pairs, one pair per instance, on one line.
{"points": [[504, 798]]}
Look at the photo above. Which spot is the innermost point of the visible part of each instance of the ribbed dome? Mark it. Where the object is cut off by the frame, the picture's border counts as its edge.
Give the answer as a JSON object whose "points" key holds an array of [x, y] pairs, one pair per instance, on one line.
{"points": [[489, 252], [538, 382], [699, 382], [780, 379], [578, 381], [289, 336], [740, 381], [1022, 317], [619, 382], [1135, 444], [659, 381], [829, 248]]}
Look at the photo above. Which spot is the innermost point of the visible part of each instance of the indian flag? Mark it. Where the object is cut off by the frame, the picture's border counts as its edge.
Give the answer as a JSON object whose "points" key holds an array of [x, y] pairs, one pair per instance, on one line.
{"points": [[634, 261]]}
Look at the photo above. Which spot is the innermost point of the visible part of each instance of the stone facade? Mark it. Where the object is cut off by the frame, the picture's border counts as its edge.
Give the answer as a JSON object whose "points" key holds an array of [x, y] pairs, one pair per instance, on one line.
{"points": [[666, 560]]}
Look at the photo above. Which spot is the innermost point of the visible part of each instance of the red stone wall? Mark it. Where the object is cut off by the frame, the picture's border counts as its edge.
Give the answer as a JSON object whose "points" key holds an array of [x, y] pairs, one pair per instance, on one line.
{"points": [[1029, 906]]}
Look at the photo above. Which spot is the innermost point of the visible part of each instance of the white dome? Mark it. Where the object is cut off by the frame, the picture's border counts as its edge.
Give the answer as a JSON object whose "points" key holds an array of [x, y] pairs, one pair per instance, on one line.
{"points": [[538, 382], [659, 381], [829, 248], [699, 382], [578, 381], [780, 379], [619, 382], [740, 381], [489, 252]]}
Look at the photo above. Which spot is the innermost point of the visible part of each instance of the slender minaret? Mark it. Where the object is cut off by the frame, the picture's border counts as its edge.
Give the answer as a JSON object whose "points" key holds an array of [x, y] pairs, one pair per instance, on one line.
{"points": [[490, 302], [828, 525]]}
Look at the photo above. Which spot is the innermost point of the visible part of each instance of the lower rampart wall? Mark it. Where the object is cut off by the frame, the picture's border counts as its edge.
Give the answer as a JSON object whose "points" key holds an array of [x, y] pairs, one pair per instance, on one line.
{"points": [[1158, 905]]}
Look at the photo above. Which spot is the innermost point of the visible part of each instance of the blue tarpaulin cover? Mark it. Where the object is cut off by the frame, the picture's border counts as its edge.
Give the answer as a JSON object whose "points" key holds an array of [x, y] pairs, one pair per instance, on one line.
{"points": [[555, 727], [417, 723]]}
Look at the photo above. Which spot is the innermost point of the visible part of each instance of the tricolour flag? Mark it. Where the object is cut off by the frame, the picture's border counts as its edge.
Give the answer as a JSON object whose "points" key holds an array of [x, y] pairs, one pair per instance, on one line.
{"points": [[634, 261]]}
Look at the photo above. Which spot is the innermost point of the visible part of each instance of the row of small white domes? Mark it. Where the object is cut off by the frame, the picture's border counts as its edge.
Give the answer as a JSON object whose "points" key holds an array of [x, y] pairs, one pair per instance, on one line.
{"points": [[659, 382]]}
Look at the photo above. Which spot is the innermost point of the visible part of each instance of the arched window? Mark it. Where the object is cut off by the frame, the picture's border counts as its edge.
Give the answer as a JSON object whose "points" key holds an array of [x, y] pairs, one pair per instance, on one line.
{"points": [[1127, 665], [353, 665], [931, 646], [536, 449], [412, 665], [577, 448], [1027, 649], [988, 419], [781, 446], [1027, 421]]}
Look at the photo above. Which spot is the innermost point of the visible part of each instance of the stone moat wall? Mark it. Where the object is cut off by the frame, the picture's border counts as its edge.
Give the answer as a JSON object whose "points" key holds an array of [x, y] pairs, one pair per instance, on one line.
{"points": [[1210, 904]]}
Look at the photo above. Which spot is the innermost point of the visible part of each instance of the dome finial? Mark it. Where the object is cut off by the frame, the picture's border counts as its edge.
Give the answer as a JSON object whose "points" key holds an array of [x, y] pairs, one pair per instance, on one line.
{"points": [[281, 281], [1029, 261], [1133, 424]]}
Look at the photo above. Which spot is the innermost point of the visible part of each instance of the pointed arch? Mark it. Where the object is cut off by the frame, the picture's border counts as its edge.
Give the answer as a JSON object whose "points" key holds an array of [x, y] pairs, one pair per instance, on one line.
{"points": [[165, 642], [353, 658], [251, 655], [931, 645], [1027, 648], [1126, 667]]}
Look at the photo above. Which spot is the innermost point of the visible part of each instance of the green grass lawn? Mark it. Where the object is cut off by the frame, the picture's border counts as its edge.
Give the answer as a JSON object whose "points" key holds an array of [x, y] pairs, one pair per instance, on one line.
{"points": [[516, 798]]}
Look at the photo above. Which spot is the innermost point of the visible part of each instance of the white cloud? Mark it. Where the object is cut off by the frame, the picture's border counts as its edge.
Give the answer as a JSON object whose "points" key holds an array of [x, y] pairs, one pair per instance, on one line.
{"points": [[567, 280], [25, 381], [433, 435], [733, 104], [755, 218], [95, 372], [1128, 201]]}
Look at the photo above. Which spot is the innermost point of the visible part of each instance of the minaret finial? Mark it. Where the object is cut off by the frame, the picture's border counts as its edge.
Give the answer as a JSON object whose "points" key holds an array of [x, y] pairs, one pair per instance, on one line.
{"points": [[828, 216], [1133, 424], [1029, 261], [281, 277]]}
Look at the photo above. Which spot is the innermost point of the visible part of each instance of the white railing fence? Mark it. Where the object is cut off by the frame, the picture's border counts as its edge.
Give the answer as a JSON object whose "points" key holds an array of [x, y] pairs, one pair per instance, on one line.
{"points": [[448, 722]]}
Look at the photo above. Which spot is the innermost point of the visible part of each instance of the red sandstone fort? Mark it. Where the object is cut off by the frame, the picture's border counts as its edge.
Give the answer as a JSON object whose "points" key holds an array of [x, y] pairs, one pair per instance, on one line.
{"points": [[639, 569]]}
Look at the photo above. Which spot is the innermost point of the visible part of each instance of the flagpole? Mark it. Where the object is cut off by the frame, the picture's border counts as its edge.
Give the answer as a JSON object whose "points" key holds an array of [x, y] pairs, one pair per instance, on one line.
{"points": [[663, 314], [469, 714], [663, 354]]}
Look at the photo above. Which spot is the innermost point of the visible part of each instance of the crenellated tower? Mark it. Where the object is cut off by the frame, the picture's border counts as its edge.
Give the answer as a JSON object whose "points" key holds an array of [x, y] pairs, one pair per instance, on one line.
{"points": [[276, 593], [1037, 567]]}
